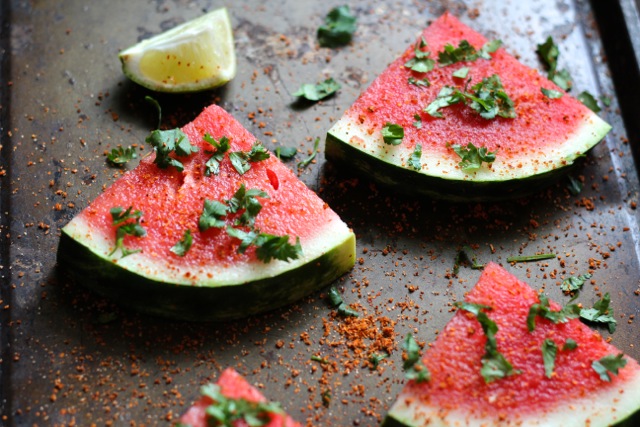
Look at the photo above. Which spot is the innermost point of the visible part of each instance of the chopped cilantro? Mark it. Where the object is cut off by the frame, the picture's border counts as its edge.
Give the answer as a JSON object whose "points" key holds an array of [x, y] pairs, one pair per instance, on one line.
{"points": [[336, 301], [563, 79], [319, 91], [472, 156], [225, 411], [418, 121], [127, 223], [285, 153], [606, 100], [601, 313], [326, 398], [119, 156], [339, 26], [461, 73], [574, 186], [212, 166], [246, 199], [183, 245], [306, 162], [542, 309], [549, 52], [466, 52], [414, 159], [241, 159], [414, 368], [268, 246], [319, 359], [529, 258], [420, 63], [165, 142], [549, 352], [447, 97], [609, 363], [466, 254], [156, 104], [589, 101], [569, 344], [574, 283], [471, 307], [213, 215], [419, 82], [550, 93], [392, 134], [376, 358]]}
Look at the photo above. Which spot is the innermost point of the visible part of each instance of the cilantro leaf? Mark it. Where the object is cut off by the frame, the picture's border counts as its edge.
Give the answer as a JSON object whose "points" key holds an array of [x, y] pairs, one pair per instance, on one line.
{"points": [[461, 73], [240, 160], [569, 344], [490, 100], [471, 307], [418, 121], [589, 101], [414, 159], [306, 162], [225, 411], [165, 142], [247, 238], [183, 245], [549, 352], [127, 223], [335, 299], [119, 156], [609, 363], [574, 186], [212, 166], [472, 156], [466, 52], [277, 247], [562, 78], [446, 97], [213, 215], [420, 63], [285, 153], [392, 134], [419, 83], [466, 254], [319, 91], [376, 358], [413, 366], [244, 199], [542, 309], [574, 283], [339, 26], [601, 313], [550, 93], [549, 53]]}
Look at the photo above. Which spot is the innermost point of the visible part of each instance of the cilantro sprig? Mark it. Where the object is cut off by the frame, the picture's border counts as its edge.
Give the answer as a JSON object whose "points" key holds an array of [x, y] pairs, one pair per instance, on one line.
{"points": [[268, 246], [414, 368], [319, 91], [225, 411], [306, 162], [339, 26], [241, 160], [601, 313], [221, 146], [420, 63], [574, 283], [335, 299], [472, 156], [494, 365], [549, 53], [415, 159], [466, 52], [608, 365], [167, 142], [127, 223], [392, 133], [120, 155], [543, 309], [549, 353], [183, 245]]}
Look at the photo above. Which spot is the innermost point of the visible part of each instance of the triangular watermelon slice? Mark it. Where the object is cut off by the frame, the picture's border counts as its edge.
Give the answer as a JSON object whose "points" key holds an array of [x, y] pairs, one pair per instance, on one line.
{"points": [[244, 260], [534, 140], [234, 396], [572, 393]]}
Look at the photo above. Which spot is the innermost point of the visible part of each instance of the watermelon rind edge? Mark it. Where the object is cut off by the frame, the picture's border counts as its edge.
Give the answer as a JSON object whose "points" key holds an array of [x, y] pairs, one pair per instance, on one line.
{"points": [[209, 301], [387, 165]]}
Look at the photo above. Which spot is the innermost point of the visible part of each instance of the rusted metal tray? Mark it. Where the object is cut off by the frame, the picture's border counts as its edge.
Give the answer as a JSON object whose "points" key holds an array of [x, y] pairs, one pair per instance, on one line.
{"points": [[70, 357]]}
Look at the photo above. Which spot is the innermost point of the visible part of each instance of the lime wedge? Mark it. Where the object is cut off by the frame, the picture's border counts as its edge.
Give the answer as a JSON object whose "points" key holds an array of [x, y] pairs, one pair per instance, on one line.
{"points": [[193, 56]]}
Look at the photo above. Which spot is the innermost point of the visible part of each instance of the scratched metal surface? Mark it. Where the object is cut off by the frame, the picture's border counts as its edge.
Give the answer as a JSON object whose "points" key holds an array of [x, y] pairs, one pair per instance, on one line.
{"points": [[69, 356]]}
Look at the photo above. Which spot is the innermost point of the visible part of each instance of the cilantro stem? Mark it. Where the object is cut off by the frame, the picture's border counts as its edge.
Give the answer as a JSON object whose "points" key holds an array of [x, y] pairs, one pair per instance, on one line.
{"points": [[529, 258], [319, 359], [304, 163]]}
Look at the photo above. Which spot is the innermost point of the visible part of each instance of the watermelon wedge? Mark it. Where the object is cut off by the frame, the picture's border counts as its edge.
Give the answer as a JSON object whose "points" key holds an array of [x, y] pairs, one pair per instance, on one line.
{"points": [[572, 393], [267, 249], [240, 401], [430, 118]]}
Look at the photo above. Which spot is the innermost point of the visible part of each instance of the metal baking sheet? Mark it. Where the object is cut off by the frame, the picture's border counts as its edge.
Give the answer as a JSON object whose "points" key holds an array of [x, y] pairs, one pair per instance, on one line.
{"points": [[70, 357]]}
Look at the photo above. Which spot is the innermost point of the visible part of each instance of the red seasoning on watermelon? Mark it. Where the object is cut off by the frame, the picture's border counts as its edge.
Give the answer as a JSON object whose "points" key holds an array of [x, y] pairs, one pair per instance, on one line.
{"points": [[232, 401], [500, 363], [209, 227], [458, 117]]}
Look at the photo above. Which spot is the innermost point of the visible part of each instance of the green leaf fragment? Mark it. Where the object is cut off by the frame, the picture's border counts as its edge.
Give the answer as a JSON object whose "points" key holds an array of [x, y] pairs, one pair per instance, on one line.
{"points": [[413, 366], [213, 215], [318, 91], [183, 245], [306, 162], [569, 344], [376, 358], [420, 63], [241, 160], [542, 309], [212, 166], [550, 93], [416, 156], [473, 157], [119, 156], [574, 283], [446, 97], [461, 73], [166, 142], [589, 101], [530, 258], [549, 352], [127, 223], [609, 364], [418, 121], [269, 246], [562, 78], [466, 52], [285, 153], [156, 105], [338, 28], [549, 53], [419, 82], [226, 411], [335, 299], [601, 313], [466, 254], [574, 186], [471, 307], [392, 134]]}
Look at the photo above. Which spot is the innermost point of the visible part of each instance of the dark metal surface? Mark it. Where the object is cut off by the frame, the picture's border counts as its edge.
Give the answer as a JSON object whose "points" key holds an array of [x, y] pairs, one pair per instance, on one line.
{"points": [[71, 357]]}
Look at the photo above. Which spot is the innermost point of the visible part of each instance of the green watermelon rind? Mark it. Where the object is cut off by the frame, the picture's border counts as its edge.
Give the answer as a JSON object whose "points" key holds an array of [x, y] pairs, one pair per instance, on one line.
{"points": [[253, 290], [350, 144]]}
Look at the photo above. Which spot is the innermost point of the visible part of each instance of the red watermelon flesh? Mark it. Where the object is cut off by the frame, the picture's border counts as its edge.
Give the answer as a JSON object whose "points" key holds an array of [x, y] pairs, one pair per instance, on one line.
{"points": [[546, 135], [234, 386], [458, 395]]}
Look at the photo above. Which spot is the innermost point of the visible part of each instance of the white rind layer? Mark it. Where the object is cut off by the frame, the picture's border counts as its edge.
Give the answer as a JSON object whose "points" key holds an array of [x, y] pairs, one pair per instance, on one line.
{"points": [[591, 131], [335, 234], [604, 408]]}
